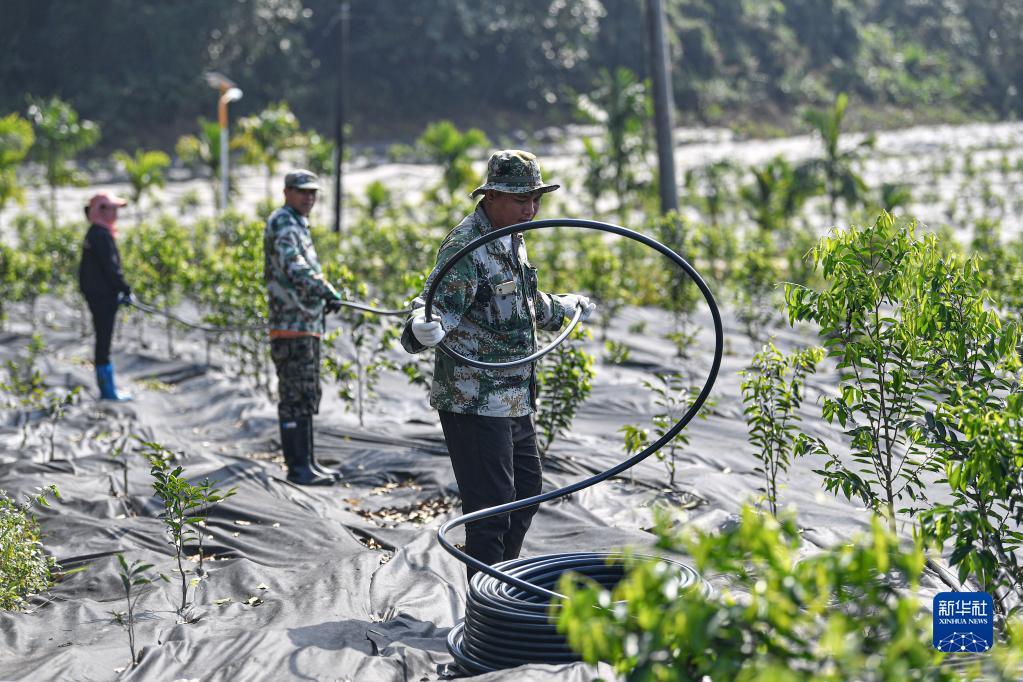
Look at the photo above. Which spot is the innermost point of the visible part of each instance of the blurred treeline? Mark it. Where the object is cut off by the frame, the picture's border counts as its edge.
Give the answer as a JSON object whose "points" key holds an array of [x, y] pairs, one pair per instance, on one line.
{"points": [[136, 66]]}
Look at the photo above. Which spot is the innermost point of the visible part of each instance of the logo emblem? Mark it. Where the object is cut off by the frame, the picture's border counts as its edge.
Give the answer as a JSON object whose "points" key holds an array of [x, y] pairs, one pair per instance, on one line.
{"points": [[963, 622]]}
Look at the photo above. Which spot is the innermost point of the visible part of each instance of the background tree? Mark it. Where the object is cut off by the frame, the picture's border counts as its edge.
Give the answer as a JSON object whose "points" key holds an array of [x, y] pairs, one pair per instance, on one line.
{"points": [[59, 136], [411, 63]]}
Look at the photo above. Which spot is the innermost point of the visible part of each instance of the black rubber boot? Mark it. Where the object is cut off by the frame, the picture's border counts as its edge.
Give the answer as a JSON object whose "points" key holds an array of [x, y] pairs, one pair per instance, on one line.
{"points": [[314, 465], [297, 445]]}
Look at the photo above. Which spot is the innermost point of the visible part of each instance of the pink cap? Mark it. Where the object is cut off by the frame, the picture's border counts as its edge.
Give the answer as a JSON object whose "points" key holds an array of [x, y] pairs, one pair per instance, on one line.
{"points": [[104, 199]]}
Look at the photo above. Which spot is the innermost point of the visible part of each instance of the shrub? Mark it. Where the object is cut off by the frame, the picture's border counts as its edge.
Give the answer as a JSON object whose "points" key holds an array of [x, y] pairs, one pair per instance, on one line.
{"points": [[185, 509], [132, 577], [983, 476], [564, 379], [25, 568], [772, 391], [870, 312], [673, 396]]}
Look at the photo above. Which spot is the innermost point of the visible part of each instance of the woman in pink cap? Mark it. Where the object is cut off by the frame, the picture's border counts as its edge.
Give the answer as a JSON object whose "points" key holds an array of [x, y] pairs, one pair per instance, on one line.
{"points": [[102, 283]]}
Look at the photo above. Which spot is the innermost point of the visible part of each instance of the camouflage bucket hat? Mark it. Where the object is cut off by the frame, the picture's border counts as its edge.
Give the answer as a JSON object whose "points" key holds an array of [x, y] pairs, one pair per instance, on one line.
{"points": [[513, 171]]}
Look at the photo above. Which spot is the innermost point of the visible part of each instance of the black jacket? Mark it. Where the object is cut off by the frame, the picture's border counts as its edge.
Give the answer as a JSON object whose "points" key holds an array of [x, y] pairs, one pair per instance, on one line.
{"points": [[100, 274]]}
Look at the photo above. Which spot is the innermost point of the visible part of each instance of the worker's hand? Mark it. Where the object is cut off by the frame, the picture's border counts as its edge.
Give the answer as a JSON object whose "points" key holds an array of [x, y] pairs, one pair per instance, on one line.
{"points": [[332, 305], [577, 301], [125, 298], [427, 333]]}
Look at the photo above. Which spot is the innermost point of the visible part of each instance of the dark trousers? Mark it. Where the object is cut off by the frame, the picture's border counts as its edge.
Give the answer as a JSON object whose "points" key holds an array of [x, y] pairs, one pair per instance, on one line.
{"points": [[495, 461], [298, 376], [104, 310]]}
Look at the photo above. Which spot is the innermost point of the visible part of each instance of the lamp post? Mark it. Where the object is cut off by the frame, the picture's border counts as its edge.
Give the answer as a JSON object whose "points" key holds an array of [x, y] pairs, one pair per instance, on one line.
{"points": [[229, 92]]}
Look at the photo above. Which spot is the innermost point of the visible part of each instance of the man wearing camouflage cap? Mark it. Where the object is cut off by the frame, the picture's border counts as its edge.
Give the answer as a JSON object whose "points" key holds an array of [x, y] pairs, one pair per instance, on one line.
{"points": [[489, 308], [298, 296]]}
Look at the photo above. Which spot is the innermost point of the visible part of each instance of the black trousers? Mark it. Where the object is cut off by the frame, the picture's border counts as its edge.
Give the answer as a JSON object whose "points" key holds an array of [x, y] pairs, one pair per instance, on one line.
{"points": [[104, 310], [495, 461]]}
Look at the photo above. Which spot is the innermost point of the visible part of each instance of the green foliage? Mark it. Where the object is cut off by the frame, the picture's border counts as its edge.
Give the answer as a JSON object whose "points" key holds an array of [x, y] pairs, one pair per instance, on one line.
{"points": [[756, 280], [24, 380], [46, 261], [599, 273], [777, 194], [25, 568], [673, 397], [772, 392], [837, 615], [16, 138], [616, 352], [319, 153], [145, 173], [369, 337], [10, 279], [564, 379], [27, 389], [711, 188], [679, 295], [56, 405], [60, 135], [133, 577], [266, 136], [185, 509]]}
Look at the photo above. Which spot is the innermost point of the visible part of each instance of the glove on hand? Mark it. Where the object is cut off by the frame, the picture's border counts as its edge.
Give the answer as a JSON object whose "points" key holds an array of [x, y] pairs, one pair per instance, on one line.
{"points": [[332, 305], [583, 303], [125, 298], [427, 333]]}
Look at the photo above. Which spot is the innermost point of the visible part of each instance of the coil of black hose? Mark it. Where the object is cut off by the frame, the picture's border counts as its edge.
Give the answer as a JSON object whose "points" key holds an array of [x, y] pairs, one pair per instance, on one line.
{"points": [[506, 627], [508, 607]]}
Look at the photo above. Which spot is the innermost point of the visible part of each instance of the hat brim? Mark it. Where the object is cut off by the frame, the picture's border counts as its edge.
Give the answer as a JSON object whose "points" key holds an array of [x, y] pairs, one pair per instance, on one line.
{"points": [[305, 185], [513, 189]]}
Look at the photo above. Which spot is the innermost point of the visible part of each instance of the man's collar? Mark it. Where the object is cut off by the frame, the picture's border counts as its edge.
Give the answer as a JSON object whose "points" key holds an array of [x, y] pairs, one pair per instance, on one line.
{"points": [[301, 218], [484, 220]]}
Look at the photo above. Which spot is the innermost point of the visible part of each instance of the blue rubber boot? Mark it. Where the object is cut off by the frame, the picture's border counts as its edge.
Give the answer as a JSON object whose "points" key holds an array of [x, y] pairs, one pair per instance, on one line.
{"points": [[107, 388]]}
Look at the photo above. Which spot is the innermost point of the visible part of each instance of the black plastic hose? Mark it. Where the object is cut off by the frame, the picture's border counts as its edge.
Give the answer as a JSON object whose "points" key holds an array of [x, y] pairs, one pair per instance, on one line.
{"points": [[508, 621]]}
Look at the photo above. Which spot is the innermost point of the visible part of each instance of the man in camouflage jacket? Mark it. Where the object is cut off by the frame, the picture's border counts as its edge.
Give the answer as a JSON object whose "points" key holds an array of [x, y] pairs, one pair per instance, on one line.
{"points": [[489, 308], [298, 298]]}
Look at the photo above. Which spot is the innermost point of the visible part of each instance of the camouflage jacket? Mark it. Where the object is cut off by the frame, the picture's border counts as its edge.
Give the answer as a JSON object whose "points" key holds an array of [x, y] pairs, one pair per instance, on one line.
{"points": [[295, 285], [490, 308]]}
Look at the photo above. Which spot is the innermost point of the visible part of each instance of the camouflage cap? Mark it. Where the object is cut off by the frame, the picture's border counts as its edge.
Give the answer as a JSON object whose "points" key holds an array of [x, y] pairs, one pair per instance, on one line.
{"points": [[513, 171], [301, 179]]}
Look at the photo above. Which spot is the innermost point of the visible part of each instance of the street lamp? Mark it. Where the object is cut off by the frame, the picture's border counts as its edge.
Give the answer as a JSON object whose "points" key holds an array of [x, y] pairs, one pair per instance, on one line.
{"points": [[229, 92]]}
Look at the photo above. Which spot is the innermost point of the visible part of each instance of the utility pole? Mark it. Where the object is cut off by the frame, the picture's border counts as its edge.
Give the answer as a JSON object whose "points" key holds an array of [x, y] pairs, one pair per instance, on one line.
{"points": [[339, 111], [663, 116]]}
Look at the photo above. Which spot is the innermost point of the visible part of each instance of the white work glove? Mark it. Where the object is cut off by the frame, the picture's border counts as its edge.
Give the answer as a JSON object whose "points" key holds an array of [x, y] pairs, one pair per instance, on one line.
{"points": [[427, 333], [577, 301]]}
